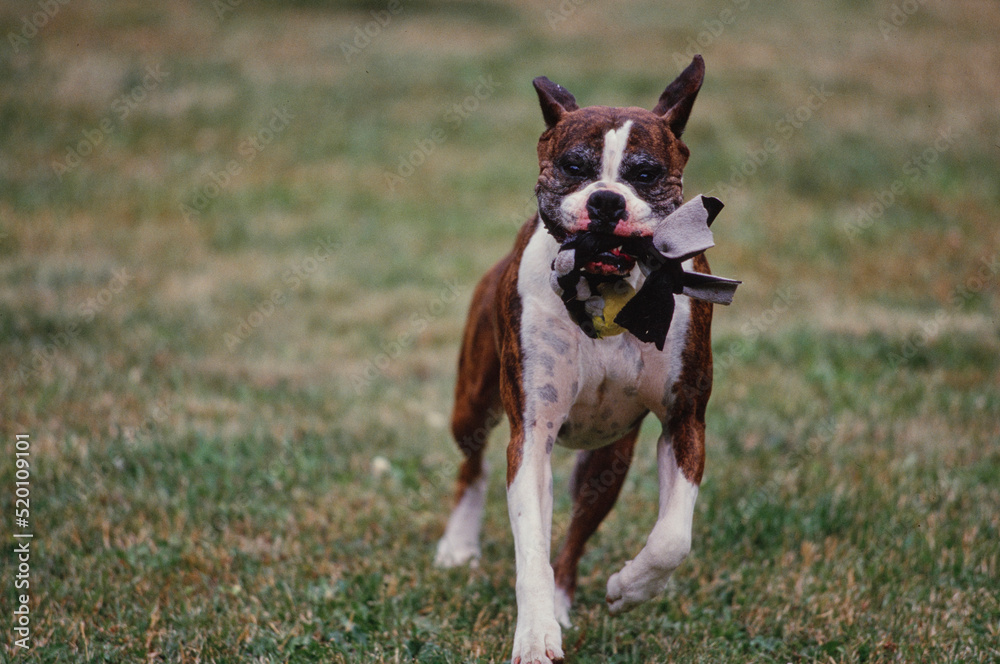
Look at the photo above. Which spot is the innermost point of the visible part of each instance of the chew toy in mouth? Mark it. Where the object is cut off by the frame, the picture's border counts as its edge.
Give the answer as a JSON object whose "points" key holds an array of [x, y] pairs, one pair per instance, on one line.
{"points": [[614, 262], [588, 274]]}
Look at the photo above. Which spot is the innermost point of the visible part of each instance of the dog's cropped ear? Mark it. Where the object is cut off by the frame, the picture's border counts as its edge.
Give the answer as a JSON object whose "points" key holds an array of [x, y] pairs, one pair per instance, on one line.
{"points": [[676, 101], [556, 101]]}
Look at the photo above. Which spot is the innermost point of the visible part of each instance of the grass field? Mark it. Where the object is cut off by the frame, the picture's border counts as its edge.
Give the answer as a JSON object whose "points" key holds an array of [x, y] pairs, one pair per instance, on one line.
{"points": [[238, 242]]}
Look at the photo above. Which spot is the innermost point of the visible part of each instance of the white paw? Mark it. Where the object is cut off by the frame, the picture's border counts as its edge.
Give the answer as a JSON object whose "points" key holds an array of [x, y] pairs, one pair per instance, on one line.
{"points": [[456, 552], [537, 642], [460, 543], [562, 603], [633, 585]]}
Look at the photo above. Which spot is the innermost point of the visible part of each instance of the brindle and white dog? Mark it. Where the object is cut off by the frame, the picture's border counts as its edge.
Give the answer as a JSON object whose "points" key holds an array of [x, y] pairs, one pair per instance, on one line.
{"points": [[608, 170]]}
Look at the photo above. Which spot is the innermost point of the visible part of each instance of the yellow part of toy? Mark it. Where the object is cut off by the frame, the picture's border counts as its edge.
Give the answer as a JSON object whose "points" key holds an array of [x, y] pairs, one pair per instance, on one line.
{"points": [[615, 296]]}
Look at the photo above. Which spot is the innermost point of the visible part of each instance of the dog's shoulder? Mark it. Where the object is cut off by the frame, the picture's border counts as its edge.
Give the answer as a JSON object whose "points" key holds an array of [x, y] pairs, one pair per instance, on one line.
{"points": [[508, 267], [495, 301]]}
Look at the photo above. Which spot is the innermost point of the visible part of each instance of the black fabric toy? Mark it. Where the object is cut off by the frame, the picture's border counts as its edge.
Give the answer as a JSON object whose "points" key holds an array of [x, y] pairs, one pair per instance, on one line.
{"points": [[589, 274]]}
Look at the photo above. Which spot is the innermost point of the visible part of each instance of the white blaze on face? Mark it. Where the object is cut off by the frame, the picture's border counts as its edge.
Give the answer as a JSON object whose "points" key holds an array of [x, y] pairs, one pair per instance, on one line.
{"points": [[614, 149]]}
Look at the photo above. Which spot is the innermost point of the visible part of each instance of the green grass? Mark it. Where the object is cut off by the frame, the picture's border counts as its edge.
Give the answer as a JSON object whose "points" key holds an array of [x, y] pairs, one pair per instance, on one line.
{"points": [[204, 427]]}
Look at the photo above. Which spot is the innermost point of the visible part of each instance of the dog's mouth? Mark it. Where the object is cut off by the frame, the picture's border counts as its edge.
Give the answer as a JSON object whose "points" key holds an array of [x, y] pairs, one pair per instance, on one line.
{"points": [[612, 262], [606, 255]]}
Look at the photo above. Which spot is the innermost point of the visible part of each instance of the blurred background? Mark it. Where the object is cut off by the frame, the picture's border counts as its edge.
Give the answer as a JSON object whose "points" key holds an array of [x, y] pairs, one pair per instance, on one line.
{"points": [[238, 240]]}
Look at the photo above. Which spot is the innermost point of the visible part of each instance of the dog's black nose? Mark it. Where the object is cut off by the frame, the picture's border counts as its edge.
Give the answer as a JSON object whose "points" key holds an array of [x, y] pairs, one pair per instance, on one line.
{"points": [[606, 208]]}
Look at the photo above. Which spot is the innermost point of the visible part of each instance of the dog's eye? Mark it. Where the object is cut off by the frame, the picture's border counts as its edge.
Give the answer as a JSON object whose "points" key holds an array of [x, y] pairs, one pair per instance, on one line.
{"points": [[575, 167], [647, 174]]}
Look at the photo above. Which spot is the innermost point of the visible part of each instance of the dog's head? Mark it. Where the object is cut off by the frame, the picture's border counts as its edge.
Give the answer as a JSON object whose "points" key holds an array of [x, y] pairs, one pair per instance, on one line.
{"points": [[612, 171]]}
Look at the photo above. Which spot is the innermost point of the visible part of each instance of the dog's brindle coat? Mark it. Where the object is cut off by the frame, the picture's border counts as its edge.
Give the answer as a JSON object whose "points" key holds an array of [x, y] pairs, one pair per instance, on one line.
{"points": [[522, 352]]}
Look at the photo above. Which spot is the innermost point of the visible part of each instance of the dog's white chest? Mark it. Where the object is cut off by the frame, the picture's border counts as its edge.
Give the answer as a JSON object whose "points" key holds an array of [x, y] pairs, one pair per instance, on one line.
{"points": [[604, 385], [607, 403]]}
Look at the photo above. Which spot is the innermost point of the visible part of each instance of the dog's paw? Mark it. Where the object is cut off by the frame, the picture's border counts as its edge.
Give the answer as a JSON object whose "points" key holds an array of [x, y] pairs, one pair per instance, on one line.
{"points": [[562, 604], [455, 553], [633, 585], [537, 642]]}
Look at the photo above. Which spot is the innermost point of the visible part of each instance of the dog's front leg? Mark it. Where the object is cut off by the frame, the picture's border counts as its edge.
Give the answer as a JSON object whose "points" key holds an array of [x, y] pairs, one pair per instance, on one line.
{"points": [[669, 542], [538, 637]]}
